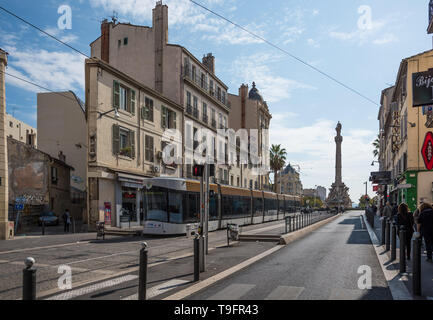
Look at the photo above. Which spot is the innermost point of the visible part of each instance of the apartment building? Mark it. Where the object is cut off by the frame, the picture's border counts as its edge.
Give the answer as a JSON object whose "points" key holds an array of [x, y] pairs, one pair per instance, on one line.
{"points": [[144, 54], [19, 130], [289, 181], [404, 131], [250, 111], [126, 121]]}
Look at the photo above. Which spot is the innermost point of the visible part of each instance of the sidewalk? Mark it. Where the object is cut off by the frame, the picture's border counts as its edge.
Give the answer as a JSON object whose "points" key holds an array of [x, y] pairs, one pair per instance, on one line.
{"points": [[426, 267]]}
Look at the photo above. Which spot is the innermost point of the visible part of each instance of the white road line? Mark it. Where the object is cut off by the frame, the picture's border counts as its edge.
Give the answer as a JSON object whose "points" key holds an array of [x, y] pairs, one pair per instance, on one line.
{"points": [[159, 289], [232, 292], [285, 293], [89, 289], [398, 288], [346, 294]]}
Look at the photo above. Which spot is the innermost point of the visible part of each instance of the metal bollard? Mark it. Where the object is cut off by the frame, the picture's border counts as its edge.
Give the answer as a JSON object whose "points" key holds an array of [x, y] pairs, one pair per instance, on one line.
{"points": [[382, 239], [393, 242], [196, 258], [43, 227], [416, 266], [142, 276], [29, 280], [388, 234], [402, 250]]}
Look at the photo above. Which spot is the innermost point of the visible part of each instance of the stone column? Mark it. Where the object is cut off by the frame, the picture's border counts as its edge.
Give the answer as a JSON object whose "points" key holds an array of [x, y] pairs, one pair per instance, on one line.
{"points": [[338, 141], [4, 203]]}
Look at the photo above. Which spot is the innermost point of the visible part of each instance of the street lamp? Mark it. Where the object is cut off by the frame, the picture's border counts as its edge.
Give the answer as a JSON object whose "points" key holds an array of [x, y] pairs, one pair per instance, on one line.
{"points": [[372, 164], [116, 113]]}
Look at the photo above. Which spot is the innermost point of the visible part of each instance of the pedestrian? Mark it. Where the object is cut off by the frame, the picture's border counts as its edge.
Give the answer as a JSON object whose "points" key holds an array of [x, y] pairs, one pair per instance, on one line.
{"points": [[425, 227], [394, 212], [405, 220], [381, 210], [66, 220], [387, 211]]}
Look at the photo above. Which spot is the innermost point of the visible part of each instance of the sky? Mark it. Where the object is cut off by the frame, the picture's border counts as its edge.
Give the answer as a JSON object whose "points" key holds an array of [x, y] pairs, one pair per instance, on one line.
{"points": [[359, 43]]}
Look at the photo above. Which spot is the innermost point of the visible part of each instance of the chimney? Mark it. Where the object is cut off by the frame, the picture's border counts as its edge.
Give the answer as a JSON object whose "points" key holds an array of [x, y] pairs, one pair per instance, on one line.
{"points": [[243, 92], [209, 62], [160, 31], [105, 41], [62, 157]]}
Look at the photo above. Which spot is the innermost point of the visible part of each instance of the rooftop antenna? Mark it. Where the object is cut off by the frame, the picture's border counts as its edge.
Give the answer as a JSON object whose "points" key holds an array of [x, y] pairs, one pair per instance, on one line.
{"points": [[114, 17]]}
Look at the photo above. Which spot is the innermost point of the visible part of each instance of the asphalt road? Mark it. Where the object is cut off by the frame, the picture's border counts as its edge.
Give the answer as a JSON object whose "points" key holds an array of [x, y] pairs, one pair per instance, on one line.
{"points": [[323, 265]]}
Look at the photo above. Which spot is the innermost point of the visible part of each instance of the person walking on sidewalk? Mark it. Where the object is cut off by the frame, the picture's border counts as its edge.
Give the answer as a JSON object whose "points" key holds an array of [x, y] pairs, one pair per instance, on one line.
{"points": [[405, 220], [387, 211], [67, 220], [425, 227]]}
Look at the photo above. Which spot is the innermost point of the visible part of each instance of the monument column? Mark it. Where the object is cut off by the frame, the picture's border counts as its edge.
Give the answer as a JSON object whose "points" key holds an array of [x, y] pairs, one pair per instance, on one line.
{"points": [[4, 204], [338, 141]]}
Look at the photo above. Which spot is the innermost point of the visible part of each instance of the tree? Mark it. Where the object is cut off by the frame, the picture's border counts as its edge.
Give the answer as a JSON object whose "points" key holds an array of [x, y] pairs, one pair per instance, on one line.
{"points": [[277, 161], [363, 202], [314, 202], [376, 145]]}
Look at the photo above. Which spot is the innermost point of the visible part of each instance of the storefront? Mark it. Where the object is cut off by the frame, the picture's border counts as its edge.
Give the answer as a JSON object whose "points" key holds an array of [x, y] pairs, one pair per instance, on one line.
{"points": [[129, 203]]}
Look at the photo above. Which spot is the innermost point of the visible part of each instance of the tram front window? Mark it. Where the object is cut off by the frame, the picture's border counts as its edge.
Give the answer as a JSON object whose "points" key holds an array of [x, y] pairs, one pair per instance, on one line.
{"points": [[175, 207], [156, 201]]}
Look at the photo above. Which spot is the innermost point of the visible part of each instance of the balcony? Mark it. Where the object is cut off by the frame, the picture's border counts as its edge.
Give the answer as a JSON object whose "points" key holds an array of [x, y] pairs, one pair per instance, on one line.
{"points": [[213, 123], [195, 113], [205, 118], [189, 109]]}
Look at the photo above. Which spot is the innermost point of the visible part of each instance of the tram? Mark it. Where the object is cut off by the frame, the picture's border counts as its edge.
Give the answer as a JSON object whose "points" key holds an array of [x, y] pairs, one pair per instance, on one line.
{"points": [[171, 206]]}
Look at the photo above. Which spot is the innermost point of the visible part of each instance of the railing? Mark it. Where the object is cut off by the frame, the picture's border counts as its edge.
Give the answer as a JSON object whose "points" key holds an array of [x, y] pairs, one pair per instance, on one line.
{"points": [[195, 113], [189, 109], [205, 118], [213, 123]]}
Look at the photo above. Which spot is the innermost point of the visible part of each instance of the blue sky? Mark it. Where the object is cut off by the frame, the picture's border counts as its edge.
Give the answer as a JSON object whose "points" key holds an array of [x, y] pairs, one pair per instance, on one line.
{"points": [[305, 105]]}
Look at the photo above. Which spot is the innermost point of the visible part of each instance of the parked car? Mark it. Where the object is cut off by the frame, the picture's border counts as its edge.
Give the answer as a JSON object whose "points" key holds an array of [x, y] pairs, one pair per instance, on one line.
{"points": [[49, 218], [306, 210]]}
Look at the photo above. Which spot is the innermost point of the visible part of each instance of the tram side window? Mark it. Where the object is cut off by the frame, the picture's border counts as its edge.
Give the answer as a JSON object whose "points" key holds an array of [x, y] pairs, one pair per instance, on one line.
{"points": [[156, 200], [192, 207], [258, 206], [281, 205], [213, 208], [175, 209], [271, 206], [227, 205]]}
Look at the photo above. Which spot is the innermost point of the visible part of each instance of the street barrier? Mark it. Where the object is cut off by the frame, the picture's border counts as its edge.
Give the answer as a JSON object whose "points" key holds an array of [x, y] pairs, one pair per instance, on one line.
{"points": [[402, 237], [100, 230], [232, 232], [382, 239], [142, 276], [288, 221], [416, 265], [196, 258], [388, 234], [394, 242], [29, 280]]}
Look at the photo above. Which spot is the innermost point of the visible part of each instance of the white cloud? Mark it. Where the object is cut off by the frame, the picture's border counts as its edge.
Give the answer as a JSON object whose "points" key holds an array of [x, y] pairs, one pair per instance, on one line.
{"points": [[314, 146], [233, 35], [387, 38], [313, 43], [273, 87]]}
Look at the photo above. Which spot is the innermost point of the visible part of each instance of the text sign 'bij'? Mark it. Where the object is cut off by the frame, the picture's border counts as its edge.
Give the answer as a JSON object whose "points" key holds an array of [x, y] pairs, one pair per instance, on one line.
{"points": [[422, 87]]}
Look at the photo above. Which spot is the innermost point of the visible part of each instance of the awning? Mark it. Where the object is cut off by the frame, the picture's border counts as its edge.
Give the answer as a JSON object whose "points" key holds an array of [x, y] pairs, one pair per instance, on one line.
{"points": [[130, 181]]}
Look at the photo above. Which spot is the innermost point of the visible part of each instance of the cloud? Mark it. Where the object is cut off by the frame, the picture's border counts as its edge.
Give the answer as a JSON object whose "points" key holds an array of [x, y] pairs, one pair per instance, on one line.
{"points": [[313, 43], [55, 70], [313, 148], [256, 68], [387, 38], [233, 35], [60, 34]]}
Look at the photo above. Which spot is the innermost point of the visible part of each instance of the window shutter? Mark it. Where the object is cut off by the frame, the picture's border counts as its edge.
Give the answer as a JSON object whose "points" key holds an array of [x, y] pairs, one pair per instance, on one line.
{"points": [[151, 149], [116, 94], [143, 112], [163, 117], [116, 139], [132, 102], [132, 143], [150, 110], [174, 120]]}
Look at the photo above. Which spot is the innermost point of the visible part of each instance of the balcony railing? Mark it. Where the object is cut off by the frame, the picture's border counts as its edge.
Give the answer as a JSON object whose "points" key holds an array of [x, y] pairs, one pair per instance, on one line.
{"points": [[189, 109], [213, 123], [195, 113], [205, 118]]}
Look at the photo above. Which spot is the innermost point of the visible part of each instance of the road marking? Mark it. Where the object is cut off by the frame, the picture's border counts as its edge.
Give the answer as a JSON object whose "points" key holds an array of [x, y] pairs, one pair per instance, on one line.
{"points": [[46, 247], [89, 289], [232, 292], [159, 289], [211, 280], [285, 293], [346, 294], [398, 289]]}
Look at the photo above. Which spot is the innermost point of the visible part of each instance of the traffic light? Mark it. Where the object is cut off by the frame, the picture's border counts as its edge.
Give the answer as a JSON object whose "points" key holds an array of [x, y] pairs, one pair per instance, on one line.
{"points": [[198, 170]]}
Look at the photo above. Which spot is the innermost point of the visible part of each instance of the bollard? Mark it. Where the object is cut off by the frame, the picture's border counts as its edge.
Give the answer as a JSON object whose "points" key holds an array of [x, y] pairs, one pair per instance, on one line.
{"points": [[402, 237], [29, 280], [393, 242], [382, 240], [290, 224], [43, 227], [416, 266], [196, 258], [286, 224], [142, 277], [388, 234]]}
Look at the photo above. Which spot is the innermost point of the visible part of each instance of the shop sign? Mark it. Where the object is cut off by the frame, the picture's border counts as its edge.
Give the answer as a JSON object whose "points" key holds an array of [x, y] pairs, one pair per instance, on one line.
{"points": [[129, 195], [427, 151], [422, 84]]}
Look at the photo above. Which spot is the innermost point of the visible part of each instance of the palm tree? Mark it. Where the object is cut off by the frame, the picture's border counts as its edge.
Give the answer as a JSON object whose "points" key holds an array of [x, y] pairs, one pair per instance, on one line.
{"points": [[376, 145], [277, 161]]}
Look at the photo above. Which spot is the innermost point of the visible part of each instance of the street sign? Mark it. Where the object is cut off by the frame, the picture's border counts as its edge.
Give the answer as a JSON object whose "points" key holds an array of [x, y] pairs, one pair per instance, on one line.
{"points": [[427, 151], [375, 188], [19, 206], [380, 177], [422, 84], [404, 186]]}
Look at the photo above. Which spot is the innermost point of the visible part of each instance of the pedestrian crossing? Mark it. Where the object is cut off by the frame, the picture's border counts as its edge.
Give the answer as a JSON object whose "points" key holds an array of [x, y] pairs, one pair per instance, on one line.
{"points": [[159, 289]]}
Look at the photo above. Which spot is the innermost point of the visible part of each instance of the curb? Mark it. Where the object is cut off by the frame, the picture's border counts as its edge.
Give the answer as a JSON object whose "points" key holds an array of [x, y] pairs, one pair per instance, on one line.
{"points": [[290, 237], [398, 288]]}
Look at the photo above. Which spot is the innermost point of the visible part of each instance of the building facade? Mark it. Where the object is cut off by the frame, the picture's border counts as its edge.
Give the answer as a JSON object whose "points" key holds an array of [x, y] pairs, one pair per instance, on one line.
{"points": [[20, 131], [126, 122], [144, 54], [403, 132], [250, 111], [289, 181]]}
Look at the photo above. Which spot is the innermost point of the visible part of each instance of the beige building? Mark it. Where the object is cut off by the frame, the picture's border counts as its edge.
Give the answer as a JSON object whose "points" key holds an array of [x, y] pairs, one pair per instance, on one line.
{"points": [[126, 121], [403, 130], [289, 181], [6, 230], [18, 130], [250, 111], [144, 54]]}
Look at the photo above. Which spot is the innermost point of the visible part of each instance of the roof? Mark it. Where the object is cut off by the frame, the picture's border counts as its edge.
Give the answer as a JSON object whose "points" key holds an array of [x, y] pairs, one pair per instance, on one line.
{"points": [[289, 169], [254, 94]]}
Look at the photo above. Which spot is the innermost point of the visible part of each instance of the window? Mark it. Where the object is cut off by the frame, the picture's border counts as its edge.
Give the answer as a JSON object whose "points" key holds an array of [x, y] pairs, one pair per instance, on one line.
{"points": [[220, 120], [213, 118], [194, 73], [168, 118], [204, 112], [147, 110], [125, 41], [123, 97], [219, 93], [119, 43], [195, 106], [11, 124], [54, 177], [123, 141], [148, 148]]}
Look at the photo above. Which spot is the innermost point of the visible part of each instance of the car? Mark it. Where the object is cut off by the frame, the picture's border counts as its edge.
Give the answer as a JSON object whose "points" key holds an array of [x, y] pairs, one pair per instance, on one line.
{"points": [[49, 218]]}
